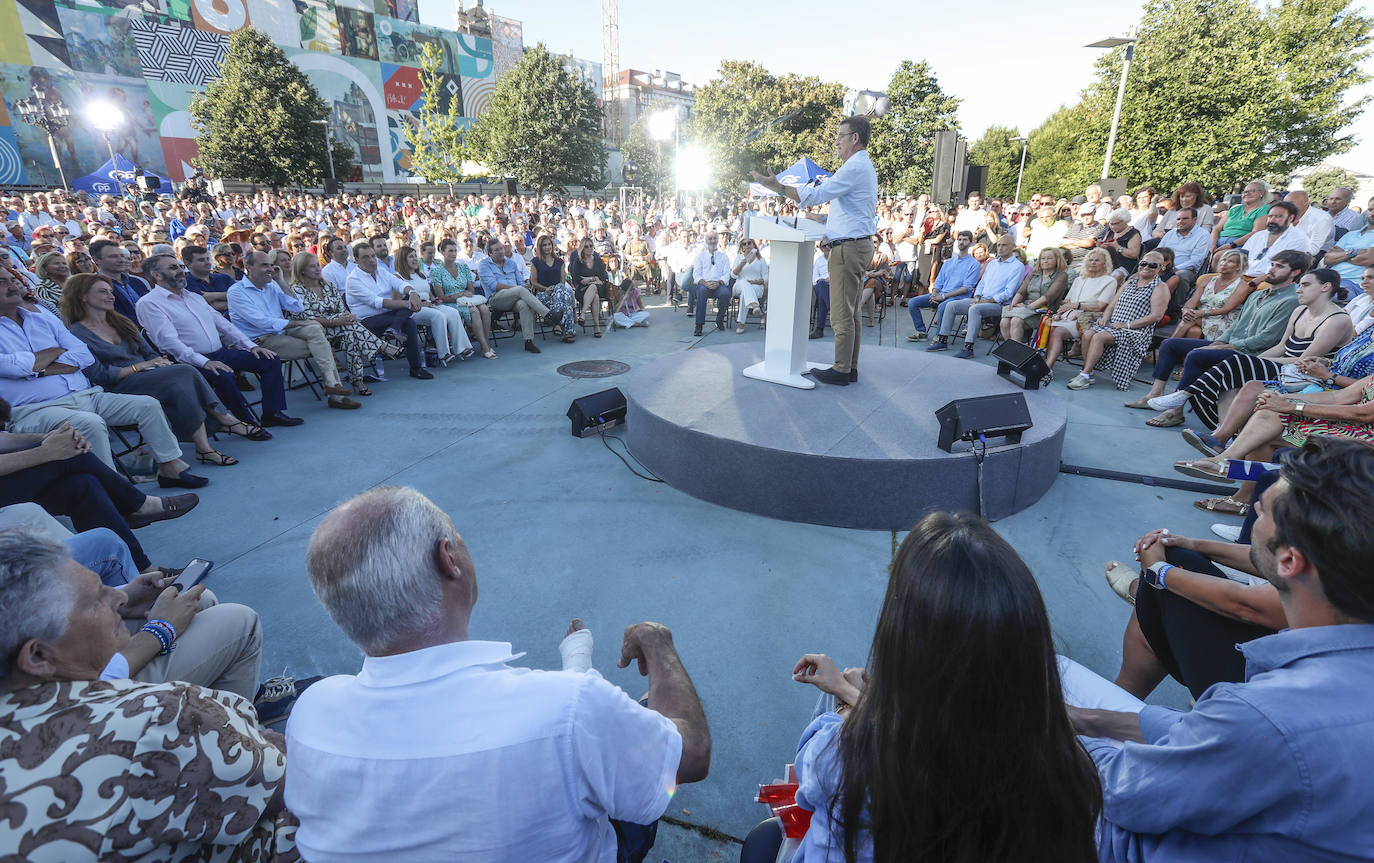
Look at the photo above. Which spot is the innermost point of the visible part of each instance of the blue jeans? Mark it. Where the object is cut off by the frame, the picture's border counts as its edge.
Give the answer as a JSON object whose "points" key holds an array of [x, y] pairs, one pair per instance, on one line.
{"points": [[914, 305], [101, 551], [822, 289], [723, 297], [1172, 352]]}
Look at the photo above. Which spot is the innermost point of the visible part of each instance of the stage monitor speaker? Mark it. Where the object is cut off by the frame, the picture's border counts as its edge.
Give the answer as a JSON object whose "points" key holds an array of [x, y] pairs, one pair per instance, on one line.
{"points": [[1022, 360], [942, 167], [975, 179], [510, 187], [1003, 415], [597, 412]]}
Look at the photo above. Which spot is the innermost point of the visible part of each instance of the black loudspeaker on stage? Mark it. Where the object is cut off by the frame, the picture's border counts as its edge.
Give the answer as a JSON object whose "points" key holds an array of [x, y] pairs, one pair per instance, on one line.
{"points": [[597, 412], [1003, 415], [510, 187], [1016, 359]]}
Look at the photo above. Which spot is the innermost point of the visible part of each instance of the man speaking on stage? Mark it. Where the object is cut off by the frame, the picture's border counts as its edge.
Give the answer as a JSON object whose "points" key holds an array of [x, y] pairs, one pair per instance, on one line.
{"points": [[853, 196]]}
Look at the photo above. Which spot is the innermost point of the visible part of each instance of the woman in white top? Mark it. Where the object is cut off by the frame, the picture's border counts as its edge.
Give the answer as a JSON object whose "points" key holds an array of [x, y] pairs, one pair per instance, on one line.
{"points": [[751, 280], [1087, 298], [445, 323]]}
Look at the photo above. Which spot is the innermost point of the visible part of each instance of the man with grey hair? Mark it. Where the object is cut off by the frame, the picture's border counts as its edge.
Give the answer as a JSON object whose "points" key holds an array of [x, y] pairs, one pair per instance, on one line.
{"points": [[438, 749], [1338, 208]]}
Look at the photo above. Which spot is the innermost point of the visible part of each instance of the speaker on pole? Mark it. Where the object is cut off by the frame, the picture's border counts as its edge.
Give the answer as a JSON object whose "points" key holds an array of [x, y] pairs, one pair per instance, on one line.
{"points": [[597, 412], [975, 180], [942, 167], [510, 186], [957, 173], [1003, 415], [1016, 359]]}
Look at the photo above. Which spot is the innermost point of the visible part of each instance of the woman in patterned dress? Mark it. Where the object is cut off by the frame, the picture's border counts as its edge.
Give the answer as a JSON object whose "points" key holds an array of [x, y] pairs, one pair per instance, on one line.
{"points": [[451, 281], [1122, 339], [549, 283], [1289, 420], [324, 303], [1215, 303]]}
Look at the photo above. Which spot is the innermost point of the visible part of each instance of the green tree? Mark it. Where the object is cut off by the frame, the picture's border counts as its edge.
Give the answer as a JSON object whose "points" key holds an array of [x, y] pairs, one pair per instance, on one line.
{"points": [[543, 126], [650, 161], [1063, 155], [751, 120], [1227, 90], [257, 121], [1319, 182], [903, 144], [437, 149], [1000, 150]]}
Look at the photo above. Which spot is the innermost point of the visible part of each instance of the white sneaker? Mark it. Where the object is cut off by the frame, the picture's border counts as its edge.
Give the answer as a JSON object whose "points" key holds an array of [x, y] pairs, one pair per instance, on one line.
{"points": [[1081, 381], [1175, 399], [1228, 532]]}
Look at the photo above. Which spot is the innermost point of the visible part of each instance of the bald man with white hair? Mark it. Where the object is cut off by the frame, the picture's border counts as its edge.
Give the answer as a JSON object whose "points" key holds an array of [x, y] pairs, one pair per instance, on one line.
{"points": [[439, 749]]}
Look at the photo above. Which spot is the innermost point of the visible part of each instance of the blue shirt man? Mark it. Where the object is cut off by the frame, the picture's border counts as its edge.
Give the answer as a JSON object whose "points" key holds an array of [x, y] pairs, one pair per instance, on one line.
{"points": [[1001, 278], [957, 277]]}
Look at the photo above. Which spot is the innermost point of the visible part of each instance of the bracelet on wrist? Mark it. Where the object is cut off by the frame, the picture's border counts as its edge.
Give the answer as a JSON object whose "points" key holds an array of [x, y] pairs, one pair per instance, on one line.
{"points": [[163, 631]]}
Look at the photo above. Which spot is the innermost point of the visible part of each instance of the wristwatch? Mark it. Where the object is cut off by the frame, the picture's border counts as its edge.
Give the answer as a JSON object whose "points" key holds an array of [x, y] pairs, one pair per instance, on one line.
{"points": [[1299, 407], [1154, 575]]}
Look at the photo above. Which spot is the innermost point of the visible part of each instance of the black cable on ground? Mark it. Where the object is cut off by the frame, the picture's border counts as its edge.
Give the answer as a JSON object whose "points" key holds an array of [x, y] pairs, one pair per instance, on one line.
{"points": [[1146, 479], [647, 475]]}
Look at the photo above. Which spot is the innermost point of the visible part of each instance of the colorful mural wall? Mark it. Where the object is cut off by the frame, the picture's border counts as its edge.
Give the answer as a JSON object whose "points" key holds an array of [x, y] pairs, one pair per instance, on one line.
{"points": [[150, 57]]}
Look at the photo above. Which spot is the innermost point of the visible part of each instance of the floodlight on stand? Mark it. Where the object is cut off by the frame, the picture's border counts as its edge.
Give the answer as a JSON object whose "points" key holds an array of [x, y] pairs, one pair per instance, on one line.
{"points": [[693, 168], [106, 117], [662, 124]]}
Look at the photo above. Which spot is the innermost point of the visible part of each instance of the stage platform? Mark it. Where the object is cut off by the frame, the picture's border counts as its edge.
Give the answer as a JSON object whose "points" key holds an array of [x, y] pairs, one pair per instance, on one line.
{"points": [[861, 456]]}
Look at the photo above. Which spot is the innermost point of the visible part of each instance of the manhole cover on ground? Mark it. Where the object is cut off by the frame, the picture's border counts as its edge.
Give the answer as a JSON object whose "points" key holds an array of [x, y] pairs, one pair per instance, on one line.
{"points": [[594, 369]]}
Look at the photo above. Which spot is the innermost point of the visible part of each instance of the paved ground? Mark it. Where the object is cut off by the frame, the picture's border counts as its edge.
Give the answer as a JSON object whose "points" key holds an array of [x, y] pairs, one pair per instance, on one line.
{"points": [[558, 527]]}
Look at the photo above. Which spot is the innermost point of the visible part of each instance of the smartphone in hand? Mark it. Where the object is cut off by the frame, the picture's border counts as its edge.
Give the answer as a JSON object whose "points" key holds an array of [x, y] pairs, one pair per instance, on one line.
{"points": [[194, 573]]}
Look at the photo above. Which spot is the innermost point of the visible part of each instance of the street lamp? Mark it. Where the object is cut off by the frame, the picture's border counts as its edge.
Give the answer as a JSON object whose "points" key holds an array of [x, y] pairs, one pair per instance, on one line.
{"points": [[1112, 42], [106, 117], [51, 117], [1021, 173], [328, 149]]}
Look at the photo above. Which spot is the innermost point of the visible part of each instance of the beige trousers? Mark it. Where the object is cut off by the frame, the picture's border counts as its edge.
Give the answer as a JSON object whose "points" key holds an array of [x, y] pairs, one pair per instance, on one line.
{"points": [[525, 303], [305, 342], [221, 649], [847, 264]]}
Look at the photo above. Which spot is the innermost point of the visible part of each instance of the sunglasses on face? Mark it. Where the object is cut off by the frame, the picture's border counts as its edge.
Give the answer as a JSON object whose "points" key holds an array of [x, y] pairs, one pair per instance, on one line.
{"points": [[1146, 265]]}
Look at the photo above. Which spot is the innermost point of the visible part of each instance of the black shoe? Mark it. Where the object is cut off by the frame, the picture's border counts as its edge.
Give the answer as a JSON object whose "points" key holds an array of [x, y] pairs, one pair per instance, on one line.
{"points": [[185, 479], [697, 332], [421, 374], [830, 376], [816, 334], [720, 325], [853, 376], [241, 381], [552, 318], [173, 506], [531, 346], [280, 419]]}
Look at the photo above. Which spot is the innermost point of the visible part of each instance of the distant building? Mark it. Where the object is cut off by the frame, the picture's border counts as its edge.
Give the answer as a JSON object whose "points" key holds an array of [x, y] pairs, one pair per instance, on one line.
{"points": [[635, 91], [473, 22]]}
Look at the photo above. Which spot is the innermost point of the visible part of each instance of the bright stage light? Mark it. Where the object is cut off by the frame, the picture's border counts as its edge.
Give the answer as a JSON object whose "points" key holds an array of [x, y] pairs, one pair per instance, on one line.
{"points": [[662, 124], [693, 168], [105, 116]]}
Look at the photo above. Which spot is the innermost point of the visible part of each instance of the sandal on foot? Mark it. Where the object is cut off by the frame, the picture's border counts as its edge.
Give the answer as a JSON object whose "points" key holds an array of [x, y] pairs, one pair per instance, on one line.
{"points": [[215, 457], [1140, 404], [362, 389], [249, 431], [1223, 506], [1203, 468], [1119, 578], [1165, 420], [490, 354]]}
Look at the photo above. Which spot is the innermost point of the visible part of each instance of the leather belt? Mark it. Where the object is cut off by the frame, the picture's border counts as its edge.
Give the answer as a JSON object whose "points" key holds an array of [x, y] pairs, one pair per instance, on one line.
{"points": [[848, 240]]}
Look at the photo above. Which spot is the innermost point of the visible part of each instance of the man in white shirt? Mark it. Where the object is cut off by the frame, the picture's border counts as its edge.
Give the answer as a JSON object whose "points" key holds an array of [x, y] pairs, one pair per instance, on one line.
{"points": [[853, 196], [336, 271], [1279, 235], [711, 275], [1314, 222], [378, 297], [439, 749], [973, 217]]}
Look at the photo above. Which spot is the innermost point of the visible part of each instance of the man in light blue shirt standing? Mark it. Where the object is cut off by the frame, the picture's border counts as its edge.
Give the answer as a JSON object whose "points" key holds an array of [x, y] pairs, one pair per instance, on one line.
{"points": [[853, 196], [256, 307], [1001, 278], [1275, 768]]}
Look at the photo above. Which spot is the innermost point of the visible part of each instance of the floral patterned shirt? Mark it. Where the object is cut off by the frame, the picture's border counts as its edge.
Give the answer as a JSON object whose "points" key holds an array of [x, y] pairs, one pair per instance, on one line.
{"points": [[127, 771]]}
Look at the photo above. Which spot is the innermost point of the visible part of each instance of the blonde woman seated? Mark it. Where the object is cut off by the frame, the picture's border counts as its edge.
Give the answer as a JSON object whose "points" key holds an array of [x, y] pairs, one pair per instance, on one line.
{"points": [[1121, 339], [751, 280], [52, 270], [453, 285], [1083, 306], [1216, 300], [323, 303], [1040, 291], [445, 323]]}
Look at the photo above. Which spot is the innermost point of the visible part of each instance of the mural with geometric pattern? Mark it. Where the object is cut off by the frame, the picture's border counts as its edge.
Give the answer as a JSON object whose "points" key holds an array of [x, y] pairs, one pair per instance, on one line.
{"points": [[150, 57]]}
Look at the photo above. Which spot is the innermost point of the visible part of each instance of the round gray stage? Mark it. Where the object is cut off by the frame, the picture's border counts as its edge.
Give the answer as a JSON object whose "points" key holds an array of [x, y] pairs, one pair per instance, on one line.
{"points": [[861, 456]]}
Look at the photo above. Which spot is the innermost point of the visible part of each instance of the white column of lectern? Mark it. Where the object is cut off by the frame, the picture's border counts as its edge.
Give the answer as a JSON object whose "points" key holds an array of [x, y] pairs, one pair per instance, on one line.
{"points": [[792, 249]]}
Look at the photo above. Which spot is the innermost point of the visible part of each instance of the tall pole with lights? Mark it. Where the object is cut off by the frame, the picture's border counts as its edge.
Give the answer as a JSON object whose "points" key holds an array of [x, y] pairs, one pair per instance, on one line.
{"points": [[328, 149], [50, 117], [1112, 42], [1021, 173]]}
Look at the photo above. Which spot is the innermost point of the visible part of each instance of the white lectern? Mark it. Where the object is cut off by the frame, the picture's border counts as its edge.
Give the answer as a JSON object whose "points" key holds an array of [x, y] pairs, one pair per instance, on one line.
{"points": [[792, 246]]}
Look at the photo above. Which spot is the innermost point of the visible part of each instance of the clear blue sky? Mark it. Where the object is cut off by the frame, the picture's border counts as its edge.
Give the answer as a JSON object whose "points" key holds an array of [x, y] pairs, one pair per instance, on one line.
{"points": [[860, 44]]}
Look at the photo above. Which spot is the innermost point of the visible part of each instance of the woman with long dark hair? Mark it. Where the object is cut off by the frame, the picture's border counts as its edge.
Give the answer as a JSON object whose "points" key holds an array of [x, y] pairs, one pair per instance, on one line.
{"points": [[959, 748]]}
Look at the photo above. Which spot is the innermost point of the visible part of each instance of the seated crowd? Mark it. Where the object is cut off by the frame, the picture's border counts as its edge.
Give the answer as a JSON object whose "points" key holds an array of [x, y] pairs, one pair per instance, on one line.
{"points": [[133, 725]]}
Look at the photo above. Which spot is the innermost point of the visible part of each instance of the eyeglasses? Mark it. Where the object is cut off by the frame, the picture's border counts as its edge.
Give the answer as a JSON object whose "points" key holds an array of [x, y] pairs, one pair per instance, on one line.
{"points": [[1146, 265]]}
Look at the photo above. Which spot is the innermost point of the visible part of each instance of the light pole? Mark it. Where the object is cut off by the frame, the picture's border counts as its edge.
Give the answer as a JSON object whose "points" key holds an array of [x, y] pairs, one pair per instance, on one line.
{"points": [[51, 117], [106, 117], [662, 126], [1021, 173], [1112, 42], [328, 149]]}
